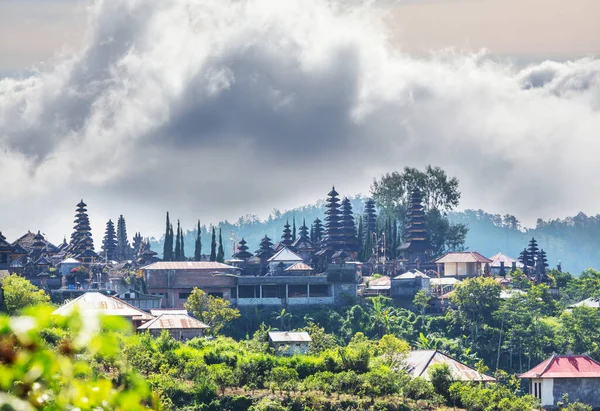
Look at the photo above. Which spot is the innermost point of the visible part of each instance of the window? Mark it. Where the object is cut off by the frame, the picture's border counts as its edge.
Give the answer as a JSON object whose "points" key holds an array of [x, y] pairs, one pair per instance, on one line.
{"points": [[220, 295], [184, 296], [537, 390]]}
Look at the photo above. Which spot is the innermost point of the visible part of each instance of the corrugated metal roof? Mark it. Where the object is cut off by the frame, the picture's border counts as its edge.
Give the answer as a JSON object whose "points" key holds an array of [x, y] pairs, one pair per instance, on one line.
{"points": [[173, 321], [463, 257], [290, 337], [384, 280], [285, 254], [444, 281], [565, 366], [299, 267], [168, 311], [410, 275], [590, 302], [93, 303], [188, 265], [419, 361]]}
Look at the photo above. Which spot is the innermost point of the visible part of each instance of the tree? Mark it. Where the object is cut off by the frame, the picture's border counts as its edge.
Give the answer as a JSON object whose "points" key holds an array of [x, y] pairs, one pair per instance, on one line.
{"points": [[123, 248], [421, 301], [109, 243], [20, 293], [441, 378], [181, 245], [320, 340], [168, 245], [213, 246], [440, 195], [393, 350], [285, 318], [216, 312], [178, 243], [221, 252], [198, 245], [294, 228]]}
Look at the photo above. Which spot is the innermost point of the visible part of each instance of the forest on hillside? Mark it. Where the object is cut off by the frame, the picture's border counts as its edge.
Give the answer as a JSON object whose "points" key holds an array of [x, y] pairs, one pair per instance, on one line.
{"points": [[573, 240]]}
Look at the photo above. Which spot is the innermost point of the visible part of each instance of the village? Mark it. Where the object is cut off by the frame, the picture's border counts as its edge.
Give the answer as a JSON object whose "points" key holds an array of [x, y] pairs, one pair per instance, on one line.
{"points": [[318, 266]]}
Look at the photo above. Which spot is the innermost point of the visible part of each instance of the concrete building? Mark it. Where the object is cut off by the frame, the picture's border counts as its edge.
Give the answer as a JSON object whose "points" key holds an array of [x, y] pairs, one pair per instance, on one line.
{"points": [[578, 376], [180, 326], [462, 264], [419, 362], [405, 286], [175, 280], [142, 301], [289, 343]]}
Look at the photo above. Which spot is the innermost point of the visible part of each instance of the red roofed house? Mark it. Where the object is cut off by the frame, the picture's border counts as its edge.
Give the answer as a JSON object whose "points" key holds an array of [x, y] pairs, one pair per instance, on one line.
{"points": [[575, 375], [462, 264]]}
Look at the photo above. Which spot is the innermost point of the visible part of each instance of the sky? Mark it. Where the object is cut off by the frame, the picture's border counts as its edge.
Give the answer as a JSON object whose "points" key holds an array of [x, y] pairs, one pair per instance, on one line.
{"points": [[214, 109]]}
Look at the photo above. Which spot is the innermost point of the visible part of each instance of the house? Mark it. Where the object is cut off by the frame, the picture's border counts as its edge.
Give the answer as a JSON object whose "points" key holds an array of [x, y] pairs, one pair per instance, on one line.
{"points": [[462, 264], [376, 286], [405, 286], [419, 362], [578, 376], [175, 280], [502, 264], [289, 343], [179, 325], [93, 303]]}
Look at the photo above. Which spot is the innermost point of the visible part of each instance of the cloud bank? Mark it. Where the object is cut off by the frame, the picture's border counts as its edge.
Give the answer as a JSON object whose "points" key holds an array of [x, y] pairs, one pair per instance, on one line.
{"points": [[213, 109]]}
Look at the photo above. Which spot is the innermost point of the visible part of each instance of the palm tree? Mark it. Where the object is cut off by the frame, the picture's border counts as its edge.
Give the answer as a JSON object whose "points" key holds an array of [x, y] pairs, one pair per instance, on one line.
{"points": [[284, 316]]}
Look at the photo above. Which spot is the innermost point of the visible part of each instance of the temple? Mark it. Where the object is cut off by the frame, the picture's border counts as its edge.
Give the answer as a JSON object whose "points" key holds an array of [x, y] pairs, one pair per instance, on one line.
{"points": [[416, 248]]}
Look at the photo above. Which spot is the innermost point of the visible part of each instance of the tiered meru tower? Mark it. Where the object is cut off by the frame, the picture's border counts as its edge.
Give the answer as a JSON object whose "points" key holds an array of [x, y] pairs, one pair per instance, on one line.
{"points": [[82, 243], [417, 246]]}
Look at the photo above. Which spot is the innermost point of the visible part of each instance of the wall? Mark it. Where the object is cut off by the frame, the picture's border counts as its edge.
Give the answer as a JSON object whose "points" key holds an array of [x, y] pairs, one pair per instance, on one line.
{"points": [[586, 390]]}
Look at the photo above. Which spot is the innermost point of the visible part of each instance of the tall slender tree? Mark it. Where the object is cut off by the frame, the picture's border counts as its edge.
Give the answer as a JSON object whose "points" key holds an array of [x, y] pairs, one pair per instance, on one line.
{"points": [[168, 245], [123, 248], [213, 246], [198, 245], [178, 243], [220, 252], [294, 228], [109, 243]]}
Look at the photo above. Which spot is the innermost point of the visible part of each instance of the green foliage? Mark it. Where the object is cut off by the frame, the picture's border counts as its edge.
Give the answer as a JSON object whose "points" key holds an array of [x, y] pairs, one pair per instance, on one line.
{"points": [[441, 379], [421, 301], [20, 293], [37, 374], [216, 312], [320, 340], [493, 397]]}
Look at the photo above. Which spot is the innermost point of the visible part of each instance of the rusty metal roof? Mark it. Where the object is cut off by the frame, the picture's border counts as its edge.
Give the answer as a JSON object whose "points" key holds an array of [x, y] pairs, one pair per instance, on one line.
{"points": [[188, 265], [299, 267], [93, 303], [289, 337], [419, 361], [565, 366], [173, 321], [463, 257]]}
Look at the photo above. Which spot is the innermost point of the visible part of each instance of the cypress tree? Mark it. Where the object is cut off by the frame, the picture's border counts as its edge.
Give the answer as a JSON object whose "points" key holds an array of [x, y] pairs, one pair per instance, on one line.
{"points": [[168, 245], [220, 253], [361, 250], [123, 249], [213, 246], [178, 243], [109, 243], [294, 228], [198, 245], [182, 246]]}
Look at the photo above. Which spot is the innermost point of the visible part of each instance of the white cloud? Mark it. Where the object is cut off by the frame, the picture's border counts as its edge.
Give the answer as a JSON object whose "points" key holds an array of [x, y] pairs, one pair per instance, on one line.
{"points": [[215, 108]]}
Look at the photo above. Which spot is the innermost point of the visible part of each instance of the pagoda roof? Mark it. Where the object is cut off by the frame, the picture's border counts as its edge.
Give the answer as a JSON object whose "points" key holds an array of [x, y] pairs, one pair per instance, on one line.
{"points": [[43, 261], [4, 245], [81, 204], [285, 254], [17, 249], [70, 260], [87, 254], [303, 243], [39, 236], [333, 193], [16, 264], [415, 245]]}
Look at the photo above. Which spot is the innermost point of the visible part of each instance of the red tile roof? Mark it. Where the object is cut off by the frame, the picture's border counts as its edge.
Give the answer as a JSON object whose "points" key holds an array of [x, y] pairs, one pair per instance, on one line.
{"points": [[463, 257], [565, 366]]}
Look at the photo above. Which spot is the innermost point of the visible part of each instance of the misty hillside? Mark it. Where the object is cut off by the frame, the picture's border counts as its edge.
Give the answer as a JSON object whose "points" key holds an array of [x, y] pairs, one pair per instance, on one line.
{"points": [[573, 241]]}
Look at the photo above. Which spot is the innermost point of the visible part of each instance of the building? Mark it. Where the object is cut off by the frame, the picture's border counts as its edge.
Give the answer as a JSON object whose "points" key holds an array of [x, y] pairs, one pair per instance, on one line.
{"points": [[179, 325], [289, 343], [406, 286], [376, 286], [578, 376], [502, 264], [283, 259], [462, 264], [94, 303], [419, 362], [416, 249], [139, 300], [175, 280], [5, 253]]}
